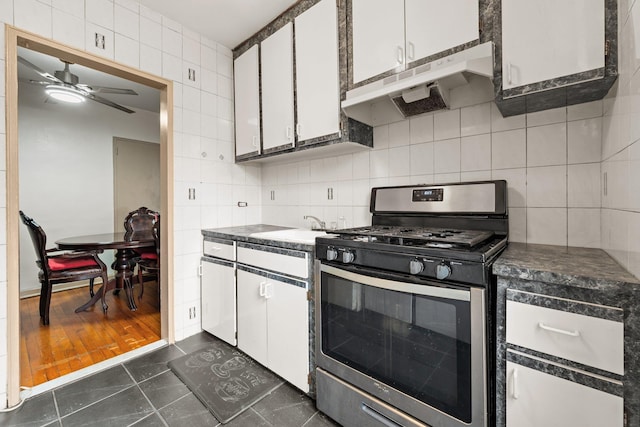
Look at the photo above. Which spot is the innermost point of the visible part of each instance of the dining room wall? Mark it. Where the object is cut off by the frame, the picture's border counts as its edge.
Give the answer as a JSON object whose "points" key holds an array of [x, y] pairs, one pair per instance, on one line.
{"points": [[66, 172]]}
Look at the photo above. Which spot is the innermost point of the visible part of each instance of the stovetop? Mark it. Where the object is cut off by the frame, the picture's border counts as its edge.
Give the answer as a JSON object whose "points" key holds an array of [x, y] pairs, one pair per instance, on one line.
{"points": [[417, 236]]}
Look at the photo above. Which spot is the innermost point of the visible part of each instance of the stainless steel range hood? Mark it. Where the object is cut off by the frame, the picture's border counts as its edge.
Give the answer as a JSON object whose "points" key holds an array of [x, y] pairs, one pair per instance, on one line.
{"points": [[458, 80]]}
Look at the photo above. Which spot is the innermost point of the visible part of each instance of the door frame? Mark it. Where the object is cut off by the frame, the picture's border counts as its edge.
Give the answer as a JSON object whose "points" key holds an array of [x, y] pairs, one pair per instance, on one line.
{"points": [[15, 37]]}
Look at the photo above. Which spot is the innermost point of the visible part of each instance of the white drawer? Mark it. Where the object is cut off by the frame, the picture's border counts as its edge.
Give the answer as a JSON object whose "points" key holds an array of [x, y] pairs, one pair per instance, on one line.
{"points": [[584, 339], [225, 249], [285, 261]]}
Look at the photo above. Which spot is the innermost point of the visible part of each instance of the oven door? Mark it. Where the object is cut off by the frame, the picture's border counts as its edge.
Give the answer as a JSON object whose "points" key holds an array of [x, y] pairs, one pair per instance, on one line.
{"points": [[417, 345]]}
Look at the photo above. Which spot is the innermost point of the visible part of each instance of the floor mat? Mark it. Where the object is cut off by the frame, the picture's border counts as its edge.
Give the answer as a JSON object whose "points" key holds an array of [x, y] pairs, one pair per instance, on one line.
{"points": [[225, 380]]}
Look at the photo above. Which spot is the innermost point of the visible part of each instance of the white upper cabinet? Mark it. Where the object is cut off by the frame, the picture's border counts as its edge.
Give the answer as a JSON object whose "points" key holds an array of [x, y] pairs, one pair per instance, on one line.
{"points": [[547, 39], [378, 37], [317, 72], [247, 102], [391, 34], [434, 26], [277, 89]]}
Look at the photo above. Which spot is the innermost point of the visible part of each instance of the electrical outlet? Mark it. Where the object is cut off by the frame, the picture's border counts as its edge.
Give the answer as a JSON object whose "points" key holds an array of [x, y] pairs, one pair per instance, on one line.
{"points": [[192, 312], [100, 43], [192, 74], [329, 193]]}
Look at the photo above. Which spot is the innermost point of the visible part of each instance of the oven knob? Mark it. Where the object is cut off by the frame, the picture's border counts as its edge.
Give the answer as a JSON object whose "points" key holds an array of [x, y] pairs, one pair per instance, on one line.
{"points": [[348, 256], [332, 254], [415, 266], [443, 271]]}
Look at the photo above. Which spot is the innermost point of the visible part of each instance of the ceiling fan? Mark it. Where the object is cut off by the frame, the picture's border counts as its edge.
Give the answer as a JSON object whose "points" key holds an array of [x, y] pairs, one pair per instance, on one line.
{"points": [[63, 85]]}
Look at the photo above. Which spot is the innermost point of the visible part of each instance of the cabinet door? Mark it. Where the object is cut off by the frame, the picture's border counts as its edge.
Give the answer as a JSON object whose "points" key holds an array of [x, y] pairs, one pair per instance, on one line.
{"points": [[433, 26], [288, 324], [252, 316], [277, 89], [247, 102], [537, 399], [317, 82], [378, 37], [218, 293], [546, 39]]}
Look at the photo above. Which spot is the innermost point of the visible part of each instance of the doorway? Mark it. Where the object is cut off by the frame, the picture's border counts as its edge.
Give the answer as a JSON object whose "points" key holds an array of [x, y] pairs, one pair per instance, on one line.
{"points": [[15, 38], [136, 177]]}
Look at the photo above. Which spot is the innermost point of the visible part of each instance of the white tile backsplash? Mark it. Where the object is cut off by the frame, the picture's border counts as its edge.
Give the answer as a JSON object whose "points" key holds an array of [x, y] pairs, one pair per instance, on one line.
{"points": [[547, 145], [446, 124], [547, 187], [509, 149], [420, 129], [584, 227], [584, 140], [475, 153], [446, 156], [100, 12], [399, 134], [68, 28], [127, 22], [583, 185], [547, 226], [475, 120], [34, 16], [546, 117]]}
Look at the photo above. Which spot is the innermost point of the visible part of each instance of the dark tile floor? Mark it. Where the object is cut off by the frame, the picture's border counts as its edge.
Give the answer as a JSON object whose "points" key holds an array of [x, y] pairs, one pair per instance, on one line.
{"points": [[143, 392]]}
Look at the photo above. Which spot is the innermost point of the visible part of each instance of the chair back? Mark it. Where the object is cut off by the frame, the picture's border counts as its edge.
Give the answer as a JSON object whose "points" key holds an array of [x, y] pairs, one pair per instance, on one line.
{"points": [[142, 219], [39, 239]]}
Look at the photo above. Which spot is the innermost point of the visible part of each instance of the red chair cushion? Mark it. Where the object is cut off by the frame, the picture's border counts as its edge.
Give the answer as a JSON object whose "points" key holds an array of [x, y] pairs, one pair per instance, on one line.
{"points": [[142, 251], [149, 255], [56, 264]]}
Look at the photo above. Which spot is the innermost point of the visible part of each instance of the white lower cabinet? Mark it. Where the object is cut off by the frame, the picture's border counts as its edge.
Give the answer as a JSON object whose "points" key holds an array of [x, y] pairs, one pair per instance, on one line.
{"points": [[539, 399], [273, 323], [218, 288]]}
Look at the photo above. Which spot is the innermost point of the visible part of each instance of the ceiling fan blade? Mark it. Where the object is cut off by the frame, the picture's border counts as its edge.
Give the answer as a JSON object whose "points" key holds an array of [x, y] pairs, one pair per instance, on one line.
{"points": [[103, 89], [109, 103], [34, 82], [35, 68]]}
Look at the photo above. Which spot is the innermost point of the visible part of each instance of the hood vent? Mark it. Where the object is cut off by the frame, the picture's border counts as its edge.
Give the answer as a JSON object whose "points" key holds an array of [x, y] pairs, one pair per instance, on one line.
{"points": [[464, 78]]}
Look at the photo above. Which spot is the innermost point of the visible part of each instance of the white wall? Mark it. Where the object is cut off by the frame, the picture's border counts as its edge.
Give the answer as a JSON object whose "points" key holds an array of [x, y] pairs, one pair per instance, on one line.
{"points": [[550, 159], [621, 147], [66, 171], [203, 126]]}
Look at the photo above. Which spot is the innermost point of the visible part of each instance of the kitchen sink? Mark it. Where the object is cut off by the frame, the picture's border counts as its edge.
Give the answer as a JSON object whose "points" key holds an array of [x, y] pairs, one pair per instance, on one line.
{"points": [[300, 235]]}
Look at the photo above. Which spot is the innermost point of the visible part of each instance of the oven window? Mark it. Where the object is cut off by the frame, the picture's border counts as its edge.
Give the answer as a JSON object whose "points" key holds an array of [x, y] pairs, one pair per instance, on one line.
{"points": [[419, 345]]}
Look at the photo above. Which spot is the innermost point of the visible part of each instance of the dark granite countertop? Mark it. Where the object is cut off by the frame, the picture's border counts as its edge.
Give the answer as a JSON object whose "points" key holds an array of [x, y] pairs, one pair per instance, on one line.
{"points": [[580, 267], [242, 234]]}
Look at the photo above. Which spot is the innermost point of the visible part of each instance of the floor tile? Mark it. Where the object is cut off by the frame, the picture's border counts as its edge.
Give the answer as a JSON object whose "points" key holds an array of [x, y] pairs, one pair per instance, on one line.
{"points": [[152, 420], [34, 412], [151, 364], [86, 391], [249, 418], [320, 420], [121, 409], [163, 389], [286, 406], [195, 342], [188, 411]]}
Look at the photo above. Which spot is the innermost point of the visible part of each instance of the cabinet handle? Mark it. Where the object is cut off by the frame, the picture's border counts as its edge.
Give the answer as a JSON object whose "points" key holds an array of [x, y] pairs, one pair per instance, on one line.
{"points": [[289, 133], [514, 384], [509, 74], [558, 331], [200, 270], [298, 129], [267, 290], [262, 286], [400, 55], [411, 52], [254, 141]]}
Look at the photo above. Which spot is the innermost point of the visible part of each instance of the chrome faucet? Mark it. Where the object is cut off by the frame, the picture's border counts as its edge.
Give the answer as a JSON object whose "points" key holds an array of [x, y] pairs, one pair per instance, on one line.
{"points": [[320, 223]]}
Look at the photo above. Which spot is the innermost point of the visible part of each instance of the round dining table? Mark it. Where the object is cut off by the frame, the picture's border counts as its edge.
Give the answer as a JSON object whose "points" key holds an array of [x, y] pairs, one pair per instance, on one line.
{"points": [[124, 245]]}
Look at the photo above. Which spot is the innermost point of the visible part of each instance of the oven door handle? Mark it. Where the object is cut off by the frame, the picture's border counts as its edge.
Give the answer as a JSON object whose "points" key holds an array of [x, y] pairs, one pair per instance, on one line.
{"points": [[433, 290]]}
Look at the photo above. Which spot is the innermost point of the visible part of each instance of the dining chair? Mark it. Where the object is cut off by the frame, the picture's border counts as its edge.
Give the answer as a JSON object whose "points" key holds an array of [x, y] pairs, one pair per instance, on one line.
{"points": [[143, 220], [58, 266], [149, 261]]}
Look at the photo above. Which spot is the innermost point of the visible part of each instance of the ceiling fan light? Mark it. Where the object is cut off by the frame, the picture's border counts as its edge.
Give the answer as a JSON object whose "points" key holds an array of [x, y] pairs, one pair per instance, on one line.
{"points": [[64, 94]]}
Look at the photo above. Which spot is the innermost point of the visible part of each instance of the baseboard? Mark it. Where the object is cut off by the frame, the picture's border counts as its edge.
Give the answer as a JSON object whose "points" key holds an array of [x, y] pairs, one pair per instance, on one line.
{"points": [[60, 287]]}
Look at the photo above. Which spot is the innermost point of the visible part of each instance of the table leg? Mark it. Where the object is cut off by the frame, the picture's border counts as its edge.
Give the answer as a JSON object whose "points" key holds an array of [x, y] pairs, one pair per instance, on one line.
{"points": [[122, 266]]}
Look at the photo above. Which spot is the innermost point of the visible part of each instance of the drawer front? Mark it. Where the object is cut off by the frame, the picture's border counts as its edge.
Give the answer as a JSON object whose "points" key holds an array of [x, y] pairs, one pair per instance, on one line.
{"points": [[535, 398], [285, 261], [220, 248], [584, 339]]}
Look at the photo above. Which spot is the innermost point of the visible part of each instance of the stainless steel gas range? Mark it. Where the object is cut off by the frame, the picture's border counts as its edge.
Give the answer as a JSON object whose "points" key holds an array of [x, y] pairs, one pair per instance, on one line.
{"points": [[405, 308]]}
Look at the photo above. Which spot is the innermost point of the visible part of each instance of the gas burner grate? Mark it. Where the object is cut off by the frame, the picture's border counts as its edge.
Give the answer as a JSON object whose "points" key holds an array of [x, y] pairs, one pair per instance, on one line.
{"points": [[419, 236]]}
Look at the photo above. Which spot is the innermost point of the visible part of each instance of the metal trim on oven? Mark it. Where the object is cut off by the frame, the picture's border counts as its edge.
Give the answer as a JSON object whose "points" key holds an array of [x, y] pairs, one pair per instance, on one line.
{"points": [[410, 405]]}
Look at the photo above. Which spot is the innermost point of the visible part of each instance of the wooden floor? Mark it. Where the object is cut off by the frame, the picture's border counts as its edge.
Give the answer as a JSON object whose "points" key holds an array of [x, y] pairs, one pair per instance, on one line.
{"points": [[73, 341]]}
